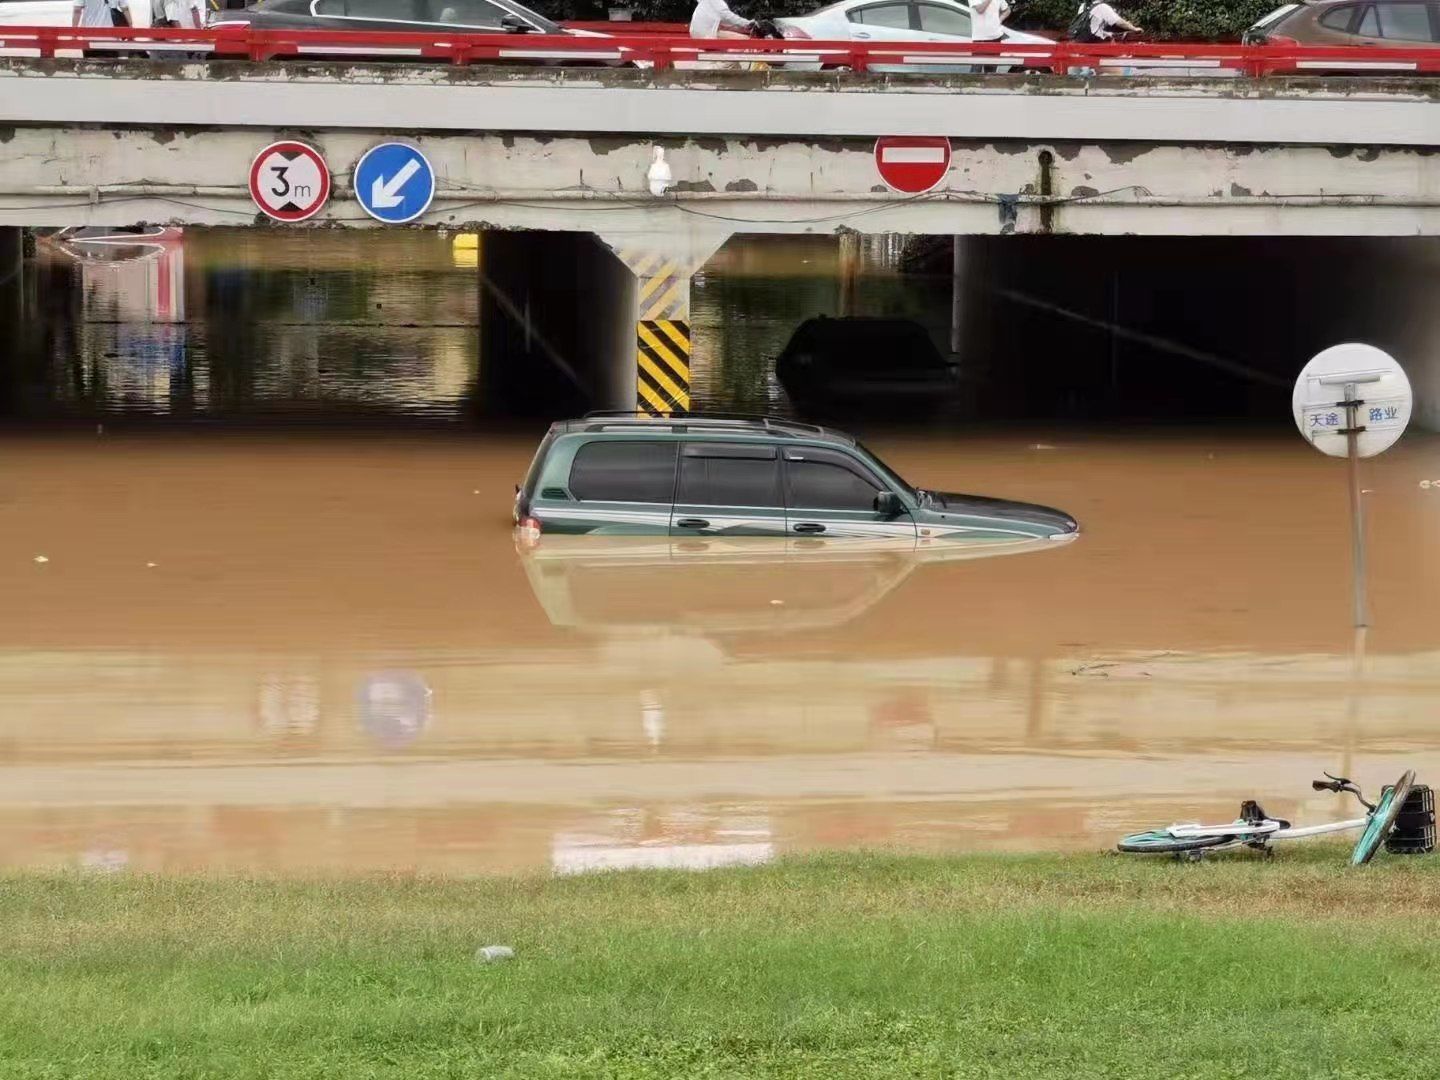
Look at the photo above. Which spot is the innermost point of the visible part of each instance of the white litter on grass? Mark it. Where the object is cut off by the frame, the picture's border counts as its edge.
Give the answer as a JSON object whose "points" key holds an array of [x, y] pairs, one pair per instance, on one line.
{"points": [[494, 954], [150, 565], [475, 492], [1043, 446], [41, 559], [778, 603]]}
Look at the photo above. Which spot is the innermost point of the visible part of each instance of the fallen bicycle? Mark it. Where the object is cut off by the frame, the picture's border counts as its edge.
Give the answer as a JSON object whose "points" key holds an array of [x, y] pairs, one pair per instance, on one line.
{"points": [[1404, 816]]}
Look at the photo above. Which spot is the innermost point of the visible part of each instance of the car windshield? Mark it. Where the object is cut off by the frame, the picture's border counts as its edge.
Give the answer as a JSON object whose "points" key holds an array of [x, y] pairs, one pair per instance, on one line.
{"points": [[890, 475]]}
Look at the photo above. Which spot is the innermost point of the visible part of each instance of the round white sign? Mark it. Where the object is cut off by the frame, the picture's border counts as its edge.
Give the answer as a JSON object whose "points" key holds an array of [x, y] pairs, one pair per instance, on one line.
{"points": [[289, 181], [1380, 388]]}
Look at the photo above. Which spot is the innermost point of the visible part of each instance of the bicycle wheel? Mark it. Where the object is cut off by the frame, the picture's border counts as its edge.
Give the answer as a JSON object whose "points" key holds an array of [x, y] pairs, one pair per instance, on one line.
{"points": [[1160, 842], [1382, 820]]}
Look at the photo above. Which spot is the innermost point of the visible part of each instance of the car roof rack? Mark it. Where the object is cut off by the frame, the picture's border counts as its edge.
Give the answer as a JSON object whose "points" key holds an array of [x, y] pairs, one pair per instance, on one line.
{"points": [[781, 423]]}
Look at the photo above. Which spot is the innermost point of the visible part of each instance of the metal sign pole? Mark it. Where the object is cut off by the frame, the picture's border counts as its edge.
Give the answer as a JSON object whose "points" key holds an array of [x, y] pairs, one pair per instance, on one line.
{"points": [[1357, 505], [1386, 412]]}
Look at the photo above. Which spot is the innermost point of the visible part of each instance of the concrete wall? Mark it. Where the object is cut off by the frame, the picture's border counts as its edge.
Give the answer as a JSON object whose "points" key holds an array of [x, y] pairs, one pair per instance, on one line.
{"points": [[404, 98], [124, 175]]}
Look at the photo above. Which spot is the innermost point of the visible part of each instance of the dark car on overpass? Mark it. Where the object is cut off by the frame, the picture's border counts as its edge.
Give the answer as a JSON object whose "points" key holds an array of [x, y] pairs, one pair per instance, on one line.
{"points": [[390, 16], [1396, 24]]}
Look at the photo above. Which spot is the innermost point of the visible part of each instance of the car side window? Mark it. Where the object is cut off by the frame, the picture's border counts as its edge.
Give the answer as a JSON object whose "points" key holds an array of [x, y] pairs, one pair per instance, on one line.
{"points": [[1369, 24], [387, 10], [825, 480], [616, 470], [719, 474], [462, 12], [1405, 22], [935, 19], [894, 16], [1339, 18]]}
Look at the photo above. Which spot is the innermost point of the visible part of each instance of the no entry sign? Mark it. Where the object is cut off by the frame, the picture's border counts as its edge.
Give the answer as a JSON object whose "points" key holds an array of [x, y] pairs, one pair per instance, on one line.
{"points": [[912, 164], [289, 181]]}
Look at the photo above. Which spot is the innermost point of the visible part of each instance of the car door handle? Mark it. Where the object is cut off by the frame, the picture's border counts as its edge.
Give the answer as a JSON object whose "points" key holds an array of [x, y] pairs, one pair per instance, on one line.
{"points": [[692, 523], [862, 36], [809, 527]]}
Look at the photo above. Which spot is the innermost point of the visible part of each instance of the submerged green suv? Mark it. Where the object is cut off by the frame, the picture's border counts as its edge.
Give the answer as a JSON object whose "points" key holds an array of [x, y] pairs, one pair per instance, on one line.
{"points": [[621, 474]]}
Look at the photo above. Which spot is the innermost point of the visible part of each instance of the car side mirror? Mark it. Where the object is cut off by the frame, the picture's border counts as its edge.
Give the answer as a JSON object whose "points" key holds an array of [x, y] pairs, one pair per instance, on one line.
{"points": [[888, 504], [513, 24]]}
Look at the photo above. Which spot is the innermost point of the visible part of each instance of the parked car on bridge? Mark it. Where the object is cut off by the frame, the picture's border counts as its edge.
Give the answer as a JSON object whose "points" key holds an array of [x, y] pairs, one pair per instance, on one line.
{"points": [[881, 22], [1394, 23], [395, 16], [35, 12], [622, 474]]}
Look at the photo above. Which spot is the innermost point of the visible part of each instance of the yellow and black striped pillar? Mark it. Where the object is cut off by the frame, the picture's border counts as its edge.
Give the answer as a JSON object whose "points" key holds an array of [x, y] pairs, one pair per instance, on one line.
{"points": [[662, 333]]}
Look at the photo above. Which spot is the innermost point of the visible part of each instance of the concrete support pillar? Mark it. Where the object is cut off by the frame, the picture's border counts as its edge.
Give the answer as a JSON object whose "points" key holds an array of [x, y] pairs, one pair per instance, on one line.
{"points": [[14, 338], [663, 356], [851, 256], [12, 283]]}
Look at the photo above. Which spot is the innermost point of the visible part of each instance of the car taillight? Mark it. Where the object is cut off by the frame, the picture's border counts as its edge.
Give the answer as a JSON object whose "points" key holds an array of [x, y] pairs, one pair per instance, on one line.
{"points": [[1278, 39], [793, 33], [527, 533]]}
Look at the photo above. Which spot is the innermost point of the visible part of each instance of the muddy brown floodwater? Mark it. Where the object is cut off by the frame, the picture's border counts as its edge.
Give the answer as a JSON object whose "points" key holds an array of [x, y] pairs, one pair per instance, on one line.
{"points": [[323, 652]]}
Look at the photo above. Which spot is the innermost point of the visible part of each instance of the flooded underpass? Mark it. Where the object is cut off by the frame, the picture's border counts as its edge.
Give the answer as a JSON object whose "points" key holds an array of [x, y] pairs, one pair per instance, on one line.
{"points": [[287, 646]]}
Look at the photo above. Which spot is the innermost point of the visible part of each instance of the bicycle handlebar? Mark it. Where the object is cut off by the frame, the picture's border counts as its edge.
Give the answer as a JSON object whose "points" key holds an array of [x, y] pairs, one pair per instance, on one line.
{"points": [[1338, 784]]}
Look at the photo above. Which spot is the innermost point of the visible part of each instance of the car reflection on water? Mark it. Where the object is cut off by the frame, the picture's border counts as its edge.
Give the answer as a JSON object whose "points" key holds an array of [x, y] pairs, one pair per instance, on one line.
{"points": [[732, 585]]}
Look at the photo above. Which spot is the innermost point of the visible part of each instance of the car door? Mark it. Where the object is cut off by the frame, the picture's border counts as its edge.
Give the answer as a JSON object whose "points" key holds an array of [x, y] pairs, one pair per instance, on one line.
{"points": [[882, 23], [831, 495], [944, 24], [728, 489], [888, 20]]}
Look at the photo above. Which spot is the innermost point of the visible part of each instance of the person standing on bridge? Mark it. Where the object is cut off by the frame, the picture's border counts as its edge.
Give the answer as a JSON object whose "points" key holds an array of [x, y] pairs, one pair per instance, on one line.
{"points": [[713, 16], [986, 20], [178, 14], [101, 13]]}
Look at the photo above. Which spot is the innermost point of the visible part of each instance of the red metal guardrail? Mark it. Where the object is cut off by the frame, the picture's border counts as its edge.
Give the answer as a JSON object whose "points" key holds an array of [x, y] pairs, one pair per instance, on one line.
{"points": [[665, 51]]}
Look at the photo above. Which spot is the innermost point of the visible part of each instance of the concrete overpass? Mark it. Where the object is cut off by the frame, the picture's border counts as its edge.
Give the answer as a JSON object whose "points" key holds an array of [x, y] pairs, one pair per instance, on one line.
{"points": [[566, 150]]}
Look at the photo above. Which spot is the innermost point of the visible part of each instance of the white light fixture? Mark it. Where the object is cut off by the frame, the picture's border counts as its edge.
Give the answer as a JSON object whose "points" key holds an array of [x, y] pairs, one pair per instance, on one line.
{"points": [[659, 173]]}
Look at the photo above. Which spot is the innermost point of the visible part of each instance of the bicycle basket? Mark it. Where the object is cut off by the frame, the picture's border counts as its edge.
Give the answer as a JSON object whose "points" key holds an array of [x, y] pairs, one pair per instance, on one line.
{"points": [[1414, 832]]}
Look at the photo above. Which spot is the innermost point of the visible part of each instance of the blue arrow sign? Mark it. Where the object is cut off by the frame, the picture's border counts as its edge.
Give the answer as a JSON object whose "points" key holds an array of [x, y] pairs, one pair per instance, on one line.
{"points": [[394, 183]]}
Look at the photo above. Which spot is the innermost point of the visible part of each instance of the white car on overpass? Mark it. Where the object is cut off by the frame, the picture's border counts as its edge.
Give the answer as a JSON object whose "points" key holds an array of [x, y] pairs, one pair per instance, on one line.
{"points": [[35, 12], [886, 22]]}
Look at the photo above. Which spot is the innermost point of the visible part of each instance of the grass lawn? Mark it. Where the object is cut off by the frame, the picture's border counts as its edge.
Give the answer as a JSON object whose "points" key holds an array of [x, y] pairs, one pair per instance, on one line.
{"points": [[837, 966]]}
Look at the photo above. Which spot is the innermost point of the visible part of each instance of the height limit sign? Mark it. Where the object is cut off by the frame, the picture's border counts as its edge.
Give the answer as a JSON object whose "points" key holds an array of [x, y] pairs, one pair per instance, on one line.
{"points": [[289, 181]]}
